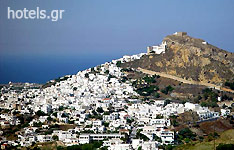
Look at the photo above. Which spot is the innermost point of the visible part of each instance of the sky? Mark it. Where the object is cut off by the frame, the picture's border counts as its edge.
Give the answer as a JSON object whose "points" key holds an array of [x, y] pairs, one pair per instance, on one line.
{"points": [[92, 32]]}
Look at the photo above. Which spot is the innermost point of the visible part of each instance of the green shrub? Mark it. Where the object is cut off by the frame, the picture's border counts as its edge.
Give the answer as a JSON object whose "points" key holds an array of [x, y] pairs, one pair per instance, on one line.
{"points": [[230, 85], [118, 63], [86, 75], [225, 147]]}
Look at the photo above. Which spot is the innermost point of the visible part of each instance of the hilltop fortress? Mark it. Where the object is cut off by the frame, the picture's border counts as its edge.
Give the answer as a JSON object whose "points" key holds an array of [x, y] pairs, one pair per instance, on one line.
{"points": [[162, 47]]}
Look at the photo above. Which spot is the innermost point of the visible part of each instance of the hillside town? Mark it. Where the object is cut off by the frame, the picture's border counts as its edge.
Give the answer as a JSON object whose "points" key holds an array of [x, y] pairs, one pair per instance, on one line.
{"points": [[96, 104]]}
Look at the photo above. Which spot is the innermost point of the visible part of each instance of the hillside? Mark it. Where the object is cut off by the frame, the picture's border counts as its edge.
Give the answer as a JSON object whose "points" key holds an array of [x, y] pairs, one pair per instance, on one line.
{"points": [[191, 59], [224, 138]]}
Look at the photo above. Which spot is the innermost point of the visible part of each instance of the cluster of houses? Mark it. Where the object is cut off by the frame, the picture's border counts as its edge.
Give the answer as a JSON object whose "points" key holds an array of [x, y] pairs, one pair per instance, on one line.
{"points": [[100, 106]]}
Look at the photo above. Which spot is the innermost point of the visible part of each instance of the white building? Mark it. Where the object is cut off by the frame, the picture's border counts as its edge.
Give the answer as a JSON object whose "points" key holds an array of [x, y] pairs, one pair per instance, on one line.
{"points": [[157, 49], [150, 145], [84, 138], [167, 137]]}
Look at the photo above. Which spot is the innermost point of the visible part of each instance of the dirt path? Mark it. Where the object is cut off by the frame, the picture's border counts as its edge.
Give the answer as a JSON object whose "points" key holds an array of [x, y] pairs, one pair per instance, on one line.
{"points": [[184, 81]]}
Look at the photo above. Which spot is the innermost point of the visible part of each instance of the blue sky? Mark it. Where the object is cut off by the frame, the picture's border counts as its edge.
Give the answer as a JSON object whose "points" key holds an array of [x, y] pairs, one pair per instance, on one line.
{"points": [[94, 31]]}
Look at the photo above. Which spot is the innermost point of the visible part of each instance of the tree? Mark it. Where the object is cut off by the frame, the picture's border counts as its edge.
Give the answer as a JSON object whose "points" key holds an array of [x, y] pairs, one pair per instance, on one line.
{"points": [[186, 133], [36, 148], [156, 95], [168, 89], [130, 121], [86, 75], [118, 63], [50, 131], [104, 148], [40, 113], [37, 124], [230, 85], [55, 138], [159, 117], [88, 126], [110, 76], [55, 114], [106, 113], [94, 113], [213, 104], [204, 104], [175, 123], [100, 110], [15, 112], [187, 140], [225, 147], [149, 80], [167, 101], [64, 115], [106, 124], [141, 136], [124, 79], [125, 138], [147, 90], [210, 95], [145, 138], [201, 138], [224, 106], [107, 72], [60, 148], [164, 91], [156, 138], [49, 118], [61, 108], [71, 121]]}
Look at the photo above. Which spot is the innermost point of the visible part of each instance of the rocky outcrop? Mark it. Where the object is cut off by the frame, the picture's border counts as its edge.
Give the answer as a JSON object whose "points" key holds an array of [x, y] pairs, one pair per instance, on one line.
{"points": [[191, 59]]}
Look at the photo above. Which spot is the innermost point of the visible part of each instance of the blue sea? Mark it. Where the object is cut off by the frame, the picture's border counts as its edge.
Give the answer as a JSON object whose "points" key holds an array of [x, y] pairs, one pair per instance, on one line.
{"points": [[40, 69]]}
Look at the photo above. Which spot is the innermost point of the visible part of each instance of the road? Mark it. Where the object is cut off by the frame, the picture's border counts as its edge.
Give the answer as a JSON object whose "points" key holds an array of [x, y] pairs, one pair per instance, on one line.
{"points": [[150, 72]]}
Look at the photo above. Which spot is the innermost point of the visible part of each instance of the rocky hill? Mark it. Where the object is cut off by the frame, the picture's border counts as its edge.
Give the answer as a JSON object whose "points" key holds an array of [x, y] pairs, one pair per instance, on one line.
{"points": [[191, 59]]}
